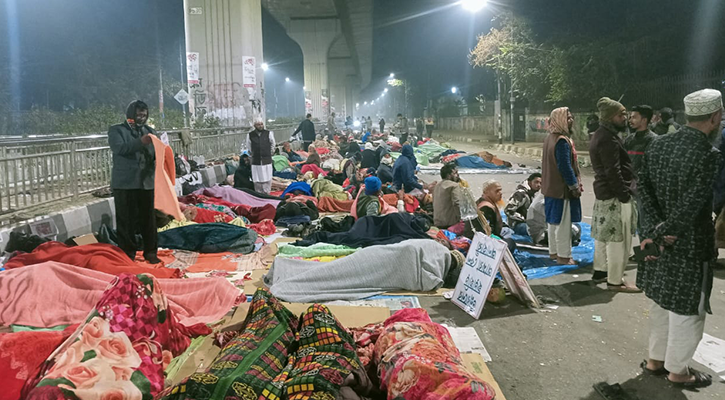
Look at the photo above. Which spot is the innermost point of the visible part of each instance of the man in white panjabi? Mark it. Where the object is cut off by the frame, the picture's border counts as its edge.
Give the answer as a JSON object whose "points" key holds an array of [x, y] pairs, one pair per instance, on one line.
{"points": [[260, 144]]}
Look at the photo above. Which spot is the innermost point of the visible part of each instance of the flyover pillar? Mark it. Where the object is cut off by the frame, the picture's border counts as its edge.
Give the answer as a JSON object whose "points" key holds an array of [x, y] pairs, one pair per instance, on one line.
{"points": [[315, 35], [224, 59]]}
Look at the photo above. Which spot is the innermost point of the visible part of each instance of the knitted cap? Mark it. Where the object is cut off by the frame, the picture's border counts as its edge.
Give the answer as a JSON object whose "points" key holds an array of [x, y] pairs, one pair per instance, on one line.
{"points": [[372, 185], [608, 108], [703, 102]]}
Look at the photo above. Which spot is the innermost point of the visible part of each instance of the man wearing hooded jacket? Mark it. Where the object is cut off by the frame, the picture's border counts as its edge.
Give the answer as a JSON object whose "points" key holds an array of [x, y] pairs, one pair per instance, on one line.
{"points": [[132, 181]]}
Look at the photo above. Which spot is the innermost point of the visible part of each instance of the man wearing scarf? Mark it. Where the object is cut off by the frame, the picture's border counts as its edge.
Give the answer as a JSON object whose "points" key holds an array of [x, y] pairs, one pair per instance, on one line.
{"points": [[561, 185], [132, 181], [260, 144], [614, 183]]}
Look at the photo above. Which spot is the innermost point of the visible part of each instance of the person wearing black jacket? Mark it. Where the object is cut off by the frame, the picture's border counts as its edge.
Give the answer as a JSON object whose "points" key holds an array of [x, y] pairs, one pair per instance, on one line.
{"points": [[243, 175], [637, 142], [132, 181], [307, 127], [614, 217]]}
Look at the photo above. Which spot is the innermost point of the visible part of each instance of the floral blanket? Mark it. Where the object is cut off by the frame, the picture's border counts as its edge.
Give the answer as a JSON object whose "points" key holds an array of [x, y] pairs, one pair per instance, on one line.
{"points": [[121, 350], [417, 359]]}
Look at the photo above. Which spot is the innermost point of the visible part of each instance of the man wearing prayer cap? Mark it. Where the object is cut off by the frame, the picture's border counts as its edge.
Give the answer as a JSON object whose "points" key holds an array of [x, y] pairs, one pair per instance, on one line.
{"points": [[676, 190], [614, 183], [370, 204], [260, 144]]}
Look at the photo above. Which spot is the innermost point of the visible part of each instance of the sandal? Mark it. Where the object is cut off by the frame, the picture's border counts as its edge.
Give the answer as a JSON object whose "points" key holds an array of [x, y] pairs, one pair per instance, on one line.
{"points": [[623, 288], [701, 380], [660, 372], [611, 392]]}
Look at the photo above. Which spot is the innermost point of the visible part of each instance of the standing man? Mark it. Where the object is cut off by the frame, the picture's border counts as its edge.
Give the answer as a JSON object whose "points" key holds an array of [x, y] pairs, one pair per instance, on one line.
{"points": [[382, 125], [307, 127], [429, 125], [419, 126], [404, 128], [561, 185], [636, 143], [132, 181], [519, 203], [260, 143], [666, 123], [331, 123], [676, 192], [614, 212]]}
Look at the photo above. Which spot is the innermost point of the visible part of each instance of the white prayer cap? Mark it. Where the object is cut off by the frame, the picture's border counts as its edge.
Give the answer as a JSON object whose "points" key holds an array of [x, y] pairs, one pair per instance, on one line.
{"points": [[703, 102], [258, 120], [368, 146]]}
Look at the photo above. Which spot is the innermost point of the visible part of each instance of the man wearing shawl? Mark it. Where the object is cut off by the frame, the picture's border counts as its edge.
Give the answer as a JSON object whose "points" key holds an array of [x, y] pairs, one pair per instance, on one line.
{"points": [[260, 144], [676, 180], [561, 185], [370, 203], [614, 184]]}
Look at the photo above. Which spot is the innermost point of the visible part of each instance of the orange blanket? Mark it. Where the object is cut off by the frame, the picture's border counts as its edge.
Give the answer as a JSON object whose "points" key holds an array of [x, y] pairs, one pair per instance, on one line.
{"points": [[165, 199], [189, 261], [328, 204], [97, 256]]}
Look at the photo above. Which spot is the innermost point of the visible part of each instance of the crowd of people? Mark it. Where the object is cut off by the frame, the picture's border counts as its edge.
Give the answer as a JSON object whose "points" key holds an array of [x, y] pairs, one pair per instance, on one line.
{"points": [[658, 182]]}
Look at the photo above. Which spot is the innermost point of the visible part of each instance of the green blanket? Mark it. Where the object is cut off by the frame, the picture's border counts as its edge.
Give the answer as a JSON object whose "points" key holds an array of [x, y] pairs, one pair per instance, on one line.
{"points": [[316, 250]]}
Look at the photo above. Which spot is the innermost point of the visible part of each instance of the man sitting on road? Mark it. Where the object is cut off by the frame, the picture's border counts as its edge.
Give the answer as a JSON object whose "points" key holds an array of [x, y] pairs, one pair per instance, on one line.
{"points": [[447, 199], [520, 201], [369, 204]]}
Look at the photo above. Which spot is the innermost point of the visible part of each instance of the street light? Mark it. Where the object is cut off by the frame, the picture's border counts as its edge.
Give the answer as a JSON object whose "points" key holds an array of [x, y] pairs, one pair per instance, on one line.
{"points": [[265, 66], [383, 94], [385, 90], [304, 87], [473, 6], [454, 90], [392, 75], [286, 79], [366, 103]]}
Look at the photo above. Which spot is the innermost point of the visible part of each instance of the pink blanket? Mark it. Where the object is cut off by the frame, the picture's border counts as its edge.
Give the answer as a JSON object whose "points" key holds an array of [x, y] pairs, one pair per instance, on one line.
{"points": [[51, 293], [236, 196]]}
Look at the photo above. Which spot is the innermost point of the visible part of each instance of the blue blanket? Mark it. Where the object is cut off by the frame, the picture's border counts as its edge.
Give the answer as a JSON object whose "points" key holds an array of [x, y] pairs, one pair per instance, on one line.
{"points": [[303, 187], [477, 163], [209, 238]]}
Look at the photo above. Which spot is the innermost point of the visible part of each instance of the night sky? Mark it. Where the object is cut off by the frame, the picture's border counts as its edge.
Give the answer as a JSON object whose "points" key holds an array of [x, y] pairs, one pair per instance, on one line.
{"points": [[74, 42]]}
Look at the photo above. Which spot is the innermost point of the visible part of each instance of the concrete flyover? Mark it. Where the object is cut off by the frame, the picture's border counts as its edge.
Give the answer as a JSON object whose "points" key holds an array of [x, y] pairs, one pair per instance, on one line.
{"points": [[337, 41], [225, 55]]}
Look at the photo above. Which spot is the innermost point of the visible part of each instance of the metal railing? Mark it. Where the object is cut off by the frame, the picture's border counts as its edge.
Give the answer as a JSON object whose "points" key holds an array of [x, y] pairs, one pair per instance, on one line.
{"points": [[37, 171]]}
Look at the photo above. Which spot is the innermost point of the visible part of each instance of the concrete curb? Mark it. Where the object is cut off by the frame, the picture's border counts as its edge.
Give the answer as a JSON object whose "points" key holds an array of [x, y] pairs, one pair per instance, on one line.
{"points": [[524, 151]]}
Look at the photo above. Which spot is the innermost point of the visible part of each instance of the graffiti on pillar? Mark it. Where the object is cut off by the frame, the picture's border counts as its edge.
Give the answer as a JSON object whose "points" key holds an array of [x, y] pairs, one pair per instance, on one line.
{"points": [[325, 102], [226, 101], [308, 102], [198, 103]]}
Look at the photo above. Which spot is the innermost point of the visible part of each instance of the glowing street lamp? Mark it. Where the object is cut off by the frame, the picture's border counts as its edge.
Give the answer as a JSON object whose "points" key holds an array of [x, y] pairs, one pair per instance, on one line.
{"points": [[383, 95], [392, 75], [265, 66], [454, 90], [473, 6], [304, 87], [366, 103], [286, 79], [385, 90]]}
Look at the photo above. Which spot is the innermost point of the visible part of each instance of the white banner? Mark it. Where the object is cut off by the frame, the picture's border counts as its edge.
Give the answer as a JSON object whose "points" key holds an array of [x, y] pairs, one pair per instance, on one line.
{"points": [[478, 273], [249, 72], [192, 68]]}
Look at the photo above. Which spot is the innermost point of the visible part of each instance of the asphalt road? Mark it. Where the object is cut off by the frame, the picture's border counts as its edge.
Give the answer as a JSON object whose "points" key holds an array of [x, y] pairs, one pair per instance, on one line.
{"points": [[560, 354]]}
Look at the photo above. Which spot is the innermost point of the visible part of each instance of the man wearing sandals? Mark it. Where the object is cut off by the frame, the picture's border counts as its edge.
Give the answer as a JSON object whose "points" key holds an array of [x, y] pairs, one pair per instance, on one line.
{"points": [[614, 214], [676, 191]]}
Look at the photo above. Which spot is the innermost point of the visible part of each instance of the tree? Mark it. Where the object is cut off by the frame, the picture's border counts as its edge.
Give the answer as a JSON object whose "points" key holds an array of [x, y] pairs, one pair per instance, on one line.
{"points": [[511, 52]]}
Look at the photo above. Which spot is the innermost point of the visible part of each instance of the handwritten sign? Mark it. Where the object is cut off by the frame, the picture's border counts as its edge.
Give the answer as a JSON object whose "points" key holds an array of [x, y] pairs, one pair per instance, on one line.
{"points": [[249, 71], [478, 273], [192, 68]]}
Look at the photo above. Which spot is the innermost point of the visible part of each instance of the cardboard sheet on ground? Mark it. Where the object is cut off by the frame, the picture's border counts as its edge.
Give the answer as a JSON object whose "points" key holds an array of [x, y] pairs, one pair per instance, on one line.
{"points": [[349, 317], [711, 353], [394, 303], [468, 341], [475, 363]]}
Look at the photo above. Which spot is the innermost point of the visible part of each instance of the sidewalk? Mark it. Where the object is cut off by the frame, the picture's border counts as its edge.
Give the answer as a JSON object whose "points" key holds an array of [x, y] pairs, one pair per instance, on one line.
{"points": [[526, 149]]}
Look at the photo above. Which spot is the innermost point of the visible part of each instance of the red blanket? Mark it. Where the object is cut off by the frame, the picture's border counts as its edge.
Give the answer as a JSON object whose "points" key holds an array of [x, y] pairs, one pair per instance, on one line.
{"points": [[328, 204], [22, 354], [97, 256]]}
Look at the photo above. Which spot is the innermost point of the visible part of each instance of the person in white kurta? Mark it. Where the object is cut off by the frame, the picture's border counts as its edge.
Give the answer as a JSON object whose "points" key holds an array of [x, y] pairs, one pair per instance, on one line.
{"points": [[260, 144]]}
